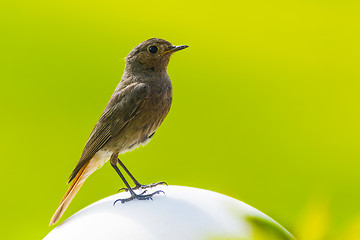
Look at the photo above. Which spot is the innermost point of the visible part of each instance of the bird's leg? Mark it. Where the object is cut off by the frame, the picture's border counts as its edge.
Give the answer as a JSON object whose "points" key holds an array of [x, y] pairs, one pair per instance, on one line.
{"points": [[133, 196], [137, 184]]}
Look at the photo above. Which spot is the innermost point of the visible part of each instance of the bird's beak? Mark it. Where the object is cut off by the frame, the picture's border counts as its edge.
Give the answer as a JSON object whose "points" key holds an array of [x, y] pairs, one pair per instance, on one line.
{"points": [[175, 49], [178, 48]]}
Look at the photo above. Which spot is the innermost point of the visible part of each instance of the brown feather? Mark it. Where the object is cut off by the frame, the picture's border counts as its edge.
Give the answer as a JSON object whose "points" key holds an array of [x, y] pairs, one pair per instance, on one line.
{"points": [[136, 109], [70, 194], [122, 107]]}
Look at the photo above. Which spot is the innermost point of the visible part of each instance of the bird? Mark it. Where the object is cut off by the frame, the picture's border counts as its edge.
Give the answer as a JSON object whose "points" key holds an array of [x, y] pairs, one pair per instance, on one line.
{"points": [[138, 106]]}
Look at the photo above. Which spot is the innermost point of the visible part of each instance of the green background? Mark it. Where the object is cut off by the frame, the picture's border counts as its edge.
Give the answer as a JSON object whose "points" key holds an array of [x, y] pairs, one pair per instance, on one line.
{"points": [[265, 106]]}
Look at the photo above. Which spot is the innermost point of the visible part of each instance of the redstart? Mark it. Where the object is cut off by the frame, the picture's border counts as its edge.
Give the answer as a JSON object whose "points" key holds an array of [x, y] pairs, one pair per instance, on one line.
{"points": [[136, 109]]}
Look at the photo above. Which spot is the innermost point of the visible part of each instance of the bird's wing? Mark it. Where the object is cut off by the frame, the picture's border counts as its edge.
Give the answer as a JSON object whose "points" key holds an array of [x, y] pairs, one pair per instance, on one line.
{"points": [[122, 107]]}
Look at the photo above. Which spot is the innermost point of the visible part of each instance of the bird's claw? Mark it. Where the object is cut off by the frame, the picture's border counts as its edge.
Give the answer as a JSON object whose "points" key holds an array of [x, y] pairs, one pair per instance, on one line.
{"points": [[139, 197], [123, 189], [140, 186]]}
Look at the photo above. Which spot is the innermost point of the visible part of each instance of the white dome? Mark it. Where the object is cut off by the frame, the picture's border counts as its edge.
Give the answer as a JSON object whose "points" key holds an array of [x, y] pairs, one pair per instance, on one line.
{"points": [[183, 213]]}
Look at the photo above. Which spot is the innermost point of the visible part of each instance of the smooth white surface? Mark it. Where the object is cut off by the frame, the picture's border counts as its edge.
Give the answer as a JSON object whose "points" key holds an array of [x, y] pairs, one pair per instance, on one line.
{"points": [[183, 213]]}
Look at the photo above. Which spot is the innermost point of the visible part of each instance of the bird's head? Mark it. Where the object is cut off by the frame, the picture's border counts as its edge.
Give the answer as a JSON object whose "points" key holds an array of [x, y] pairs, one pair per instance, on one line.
{"points": [[151, 55]]}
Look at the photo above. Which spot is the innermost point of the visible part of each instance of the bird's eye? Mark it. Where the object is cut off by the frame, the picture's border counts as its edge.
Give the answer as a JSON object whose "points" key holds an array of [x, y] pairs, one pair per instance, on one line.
{"points": [[153, 49]]}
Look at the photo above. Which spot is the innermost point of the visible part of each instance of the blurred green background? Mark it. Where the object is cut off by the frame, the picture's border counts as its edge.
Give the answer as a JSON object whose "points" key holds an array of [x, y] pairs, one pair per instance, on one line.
{"points": [[265, 107]]}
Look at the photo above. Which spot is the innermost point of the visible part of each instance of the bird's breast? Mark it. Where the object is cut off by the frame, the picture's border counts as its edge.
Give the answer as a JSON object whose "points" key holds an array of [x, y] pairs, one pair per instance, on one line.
{"points": [[151, 114]]}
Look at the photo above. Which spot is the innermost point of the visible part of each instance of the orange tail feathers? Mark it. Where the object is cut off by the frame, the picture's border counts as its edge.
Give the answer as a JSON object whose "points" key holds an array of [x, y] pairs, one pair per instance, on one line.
{"points": [[70, 193]]}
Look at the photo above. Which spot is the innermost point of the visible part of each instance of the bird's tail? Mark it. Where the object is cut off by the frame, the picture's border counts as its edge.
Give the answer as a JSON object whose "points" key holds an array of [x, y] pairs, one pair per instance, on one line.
{"points": [[78, 181]]}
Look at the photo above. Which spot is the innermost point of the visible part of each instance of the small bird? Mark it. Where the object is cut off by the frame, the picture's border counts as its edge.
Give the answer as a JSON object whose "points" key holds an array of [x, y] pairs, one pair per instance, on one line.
{"points": [[136, 109]]}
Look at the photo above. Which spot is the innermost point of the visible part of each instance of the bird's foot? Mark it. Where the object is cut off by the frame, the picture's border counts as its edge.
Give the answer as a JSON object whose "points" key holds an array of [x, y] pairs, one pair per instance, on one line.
{"points": [[140, 186], [138, 196]]}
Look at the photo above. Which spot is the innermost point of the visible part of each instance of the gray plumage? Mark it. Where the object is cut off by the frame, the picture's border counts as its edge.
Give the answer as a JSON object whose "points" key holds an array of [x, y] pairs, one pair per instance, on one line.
{"points": [[138, 106], [136, 109]]}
